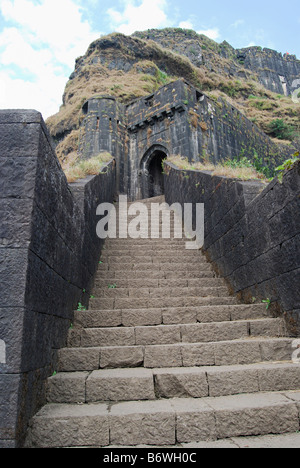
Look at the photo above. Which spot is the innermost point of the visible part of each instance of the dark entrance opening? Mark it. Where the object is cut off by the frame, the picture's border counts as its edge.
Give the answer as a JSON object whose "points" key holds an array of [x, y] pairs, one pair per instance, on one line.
{"points": [[152, 177], [156, 177]]}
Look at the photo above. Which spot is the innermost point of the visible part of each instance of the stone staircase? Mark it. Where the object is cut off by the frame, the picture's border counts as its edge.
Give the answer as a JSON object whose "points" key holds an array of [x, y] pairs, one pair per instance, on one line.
{"points": [[165, 356]]}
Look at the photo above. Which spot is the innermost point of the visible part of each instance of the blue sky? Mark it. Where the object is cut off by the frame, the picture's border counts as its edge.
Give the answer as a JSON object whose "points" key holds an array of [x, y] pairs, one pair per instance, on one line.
{"points": [[40, 39]]}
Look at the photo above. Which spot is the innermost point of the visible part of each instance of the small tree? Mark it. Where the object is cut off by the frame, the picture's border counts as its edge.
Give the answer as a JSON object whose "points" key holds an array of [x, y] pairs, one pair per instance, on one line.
{"points": [[279, 129]]}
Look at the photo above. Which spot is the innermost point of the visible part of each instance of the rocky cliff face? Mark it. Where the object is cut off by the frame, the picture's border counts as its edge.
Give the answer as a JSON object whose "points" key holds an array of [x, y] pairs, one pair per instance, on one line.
{"points": [[276, 72], [257, 82]]}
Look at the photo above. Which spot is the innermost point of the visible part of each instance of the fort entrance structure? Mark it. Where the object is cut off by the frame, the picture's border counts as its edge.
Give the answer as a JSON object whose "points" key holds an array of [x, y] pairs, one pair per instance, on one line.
{"points": [[177, 119]]}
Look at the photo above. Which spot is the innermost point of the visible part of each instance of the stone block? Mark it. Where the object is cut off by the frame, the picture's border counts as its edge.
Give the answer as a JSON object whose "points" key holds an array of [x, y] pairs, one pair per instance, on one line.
{"points": [[180, 382], [120, 385], [139, 317], [13, 270], [195, 421], [15, 227], [279, 377], [11, 333], [214, 332], [127, 356], [149, 423], [9, 386], [206, 314], [129, 303], [267, 327], [257, 414], [94, 337], [104, 318], [237, 352], [229, 380], [61, 425], [19, 139], [163, 356], [105, 304], [179, 315], [163, 334], [198, 354], [276, 349], [67, 387], [247, 312], [78, 359]]}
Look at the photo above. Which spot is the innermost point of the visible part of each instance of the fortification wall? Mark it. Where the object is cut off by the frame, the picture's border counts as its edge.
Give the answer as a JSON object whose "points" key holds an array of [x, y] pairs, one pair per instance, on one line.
{"points": [[181, 120], [49, 253], [252, 234], [185, 121]]}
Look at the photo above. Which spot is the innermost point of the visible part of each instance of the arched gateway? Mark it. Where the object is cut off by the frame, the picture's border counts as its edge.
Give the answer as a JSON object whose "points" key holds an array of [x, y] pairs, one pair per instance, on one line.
{"points": [[151, 172]]}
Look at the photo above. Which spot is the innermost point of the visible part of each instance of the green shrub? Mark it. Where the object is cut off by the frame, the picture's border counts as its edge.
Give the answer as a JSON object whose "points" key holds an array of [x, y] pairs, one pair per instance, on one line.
{"points": [[281, 130]]}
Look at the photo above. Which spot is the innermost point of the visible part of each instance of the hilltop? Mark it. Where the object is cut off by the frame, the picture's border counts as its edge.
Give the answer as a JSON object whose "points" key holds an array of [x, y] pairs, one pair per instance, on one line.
{"points": [[258, 82]]}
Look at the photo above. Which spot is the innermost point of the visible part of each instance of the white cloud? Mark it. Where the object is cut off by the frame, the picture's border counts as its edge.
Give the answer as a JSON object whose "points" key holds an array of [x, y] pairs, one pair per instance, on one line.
{"points": [[44, 41], [213, 33], [237, 23], [146, 15], [186, 25]]}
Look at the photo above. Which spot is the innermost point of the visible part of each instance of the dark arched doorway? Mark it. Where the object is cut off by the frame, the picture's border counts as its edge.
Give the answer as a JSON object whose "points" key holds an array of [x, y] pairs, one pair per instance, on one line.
{"points": [[151, 173]]}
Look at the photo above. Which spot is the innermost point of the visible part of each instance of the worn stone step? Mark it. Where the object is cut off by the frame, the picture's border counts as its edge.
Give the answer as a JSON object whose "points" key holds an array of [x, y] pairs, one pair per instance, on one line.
{"points": [[153, 253], [112, 291], [113, 276], [151, 228], [149, 384], [101, 385], [223, 353], [145, 243], [170, 334], [152, 302], [200, 382], [145, 267], [154, 259], [158, 283], [167, 316], [164, 422]]}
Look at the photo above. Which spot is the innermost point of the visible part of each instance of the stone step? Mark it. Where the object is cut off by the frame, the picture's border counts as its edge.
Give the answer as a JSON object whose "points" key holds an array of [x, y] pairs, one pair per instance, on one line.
{"points": [[117, 292], [152, 227], [170, 334], [153, 253], [150, 384], [205, 272], [162, 233], [154, 259], [158, 283], [167, 316], [161, 266], [160, 244], [164, 422], [154, 274], [154, 302], [150, 249], [222, 353]]}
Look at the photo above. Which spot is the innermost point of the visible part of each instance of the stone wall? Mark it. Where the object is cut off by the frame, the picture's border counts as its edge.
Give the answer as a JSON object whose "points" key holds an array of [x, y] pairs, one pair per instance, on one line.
{"points": [[252, 234], [49, 253]]}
